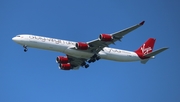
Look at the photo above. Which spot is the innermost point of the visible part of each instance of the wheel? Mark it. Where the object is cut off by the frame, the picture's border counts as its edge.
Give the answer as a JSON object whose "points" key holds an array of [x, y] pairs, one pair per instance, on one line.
{"points": [[97, 58], [89, 61], [93, 60], [25, 50], [86, 66]]}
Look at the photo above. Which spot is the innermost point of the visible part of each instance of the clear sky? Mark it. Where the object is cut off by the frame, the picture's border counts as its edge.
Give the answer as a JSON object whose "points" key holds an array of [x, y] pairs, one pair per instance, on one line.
{"points": [[34, 76]]}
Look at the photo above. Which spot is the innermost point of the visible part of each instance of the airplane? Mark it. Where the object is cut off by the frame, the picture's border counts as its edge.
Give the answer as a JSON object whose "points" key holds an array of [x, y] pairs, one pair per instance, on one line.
{"points": [[80, 54]]}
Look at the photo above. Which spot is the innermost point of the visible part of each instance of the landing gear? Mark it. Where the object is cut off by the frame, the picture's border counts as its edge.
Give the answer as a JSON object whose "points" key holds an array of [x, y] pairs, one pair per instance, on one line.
{"points": [[91, 60], [85, 65], [98, 58], [94, 58], [25, 48]]}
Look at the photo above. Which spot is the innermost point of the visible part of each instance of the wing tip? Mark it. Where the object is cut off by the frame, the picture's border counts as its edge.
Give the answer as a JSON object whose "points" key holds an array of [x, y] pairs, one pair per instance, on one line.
{"points": [[142, 23], [166, 48]]}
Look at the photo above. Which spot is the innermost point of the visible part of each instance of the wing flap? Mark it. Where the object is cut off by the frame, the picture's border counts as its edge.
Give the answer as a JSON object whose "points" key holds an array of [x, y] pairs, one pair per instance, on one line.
{"points": [[76, 62]]}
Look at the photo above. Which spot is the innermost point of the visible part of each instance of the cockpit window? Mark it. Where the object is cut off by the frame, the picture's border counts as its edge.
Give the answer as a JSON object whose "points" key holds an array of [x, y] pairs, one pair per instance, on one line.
{"points": [[18, 36]]}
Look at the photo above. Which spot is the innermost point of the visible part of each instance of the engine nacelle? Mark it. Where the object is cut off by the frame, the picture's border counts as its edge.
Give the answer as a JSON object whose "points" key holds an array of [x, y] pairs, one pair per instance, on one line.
{"points": [[66, 66], [61, 59], [105, 37], [82, 46]]}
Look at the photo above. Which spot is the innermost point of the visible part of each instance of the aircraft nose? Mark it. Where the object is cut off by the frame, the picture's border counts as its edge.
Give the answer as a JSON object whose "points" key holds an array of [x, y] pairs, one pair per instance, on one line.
{"points": [[13, 38]]}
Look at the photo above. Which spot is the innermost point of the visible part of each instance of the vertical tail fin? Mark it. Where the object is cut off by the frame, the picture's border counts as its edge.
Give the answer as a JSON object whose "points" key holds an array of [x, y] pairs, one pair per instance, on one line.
{"points": [[145, 51], [146, 48]]}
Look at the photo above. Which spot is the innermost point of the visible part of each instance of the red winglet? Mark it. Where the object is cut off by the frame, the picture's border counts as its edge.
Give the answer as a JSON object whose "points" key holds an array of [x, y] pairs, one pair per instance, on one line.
{"points": [[141, 23]]}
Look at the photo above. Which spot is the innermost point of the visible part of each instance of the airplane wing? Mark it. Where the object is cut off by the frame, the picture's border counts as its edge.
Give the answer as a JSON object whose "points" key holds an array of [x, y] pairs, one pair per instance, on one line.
{"points": [[76, 62], [95, 46], [98, 44]]}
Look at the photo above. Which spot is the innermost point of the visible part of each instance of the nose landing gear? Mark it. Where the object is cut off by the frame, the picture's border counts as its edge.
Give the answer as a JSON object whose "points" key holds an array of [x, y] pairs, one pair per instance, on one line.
{"points": [[25, 48]]}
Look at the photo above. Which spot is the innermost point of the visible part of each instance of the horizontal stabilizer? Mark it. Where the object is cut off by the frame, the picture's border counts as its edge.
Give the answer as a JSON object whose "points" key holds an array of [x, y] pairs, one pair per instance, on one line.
{"points": [[155, 52]]}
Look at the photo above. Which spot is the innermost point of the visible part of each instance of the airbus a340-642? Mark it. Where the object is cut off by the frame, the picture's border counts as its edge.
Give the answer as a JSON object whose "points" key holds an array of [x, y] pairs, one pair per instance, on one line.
{"points": [[79, 54]]}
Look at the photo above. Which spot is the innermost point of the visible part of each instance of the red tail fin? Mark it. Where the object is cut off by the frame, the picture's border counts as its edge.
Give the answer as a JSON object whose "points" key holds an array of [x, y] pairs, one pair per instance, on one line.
{"points": [[146, 48]]}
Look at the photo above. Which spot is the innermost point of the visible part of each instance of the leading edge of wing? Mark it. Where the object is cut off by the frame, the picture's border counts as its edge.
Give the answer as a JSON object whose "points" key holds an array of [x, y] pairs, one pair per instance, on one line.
{"points": [[123, 32], [117, 36]]}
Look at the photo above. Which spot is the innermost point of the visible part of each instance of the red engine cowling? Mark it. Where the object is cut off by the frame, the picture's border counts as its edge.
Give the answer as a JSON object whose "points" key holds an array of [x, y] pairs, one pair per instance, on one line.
{"points": [[66, 66], [61, 59], [82, 46], [105, 37]]}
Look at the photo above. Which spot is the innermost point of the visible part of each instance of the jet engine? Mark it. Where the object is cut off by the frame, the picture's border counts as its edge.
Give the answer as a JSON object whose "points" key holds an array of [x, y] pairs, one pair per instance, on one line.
{"points": [[82, 46], [105, 37], [61, 59], [66, 66]]}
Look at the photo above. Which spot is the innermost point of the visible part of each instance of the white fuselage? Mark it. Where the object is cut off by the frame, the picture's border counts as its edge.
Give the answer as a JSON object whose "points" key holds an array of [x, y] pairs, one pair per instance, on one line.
{"points": [[67, 47]]}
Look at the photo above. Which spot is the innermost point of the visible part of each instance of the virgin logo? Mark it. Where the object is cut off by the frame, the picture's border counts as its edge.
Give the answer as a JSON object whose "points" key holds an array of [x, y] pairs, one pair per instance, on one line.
{"points": [[145, 50]]}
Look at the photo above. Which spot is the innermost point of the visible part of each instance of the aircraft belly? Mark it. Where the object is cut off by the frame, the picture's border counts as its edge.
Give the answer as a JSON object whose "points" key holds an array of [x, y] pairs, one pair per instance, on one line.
{"points": [[78, 53], [108, 53], [121, 57]]}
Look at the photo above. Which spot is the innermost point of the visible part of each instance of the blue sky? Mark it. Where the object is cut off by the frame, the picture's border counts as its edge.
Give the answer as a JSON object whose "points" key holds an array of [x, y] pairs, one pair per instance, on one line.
{"points": [[34, 76]]}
